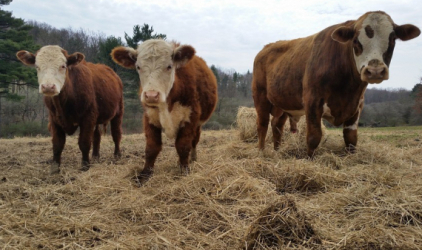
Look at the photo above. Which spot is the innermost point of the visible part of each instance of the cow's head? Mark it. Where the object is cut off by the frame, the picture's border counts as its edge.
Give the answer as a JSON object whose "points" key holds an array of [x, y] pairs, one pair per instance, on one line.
{"points": [[51, 63], [156, 62], [373, 38]]}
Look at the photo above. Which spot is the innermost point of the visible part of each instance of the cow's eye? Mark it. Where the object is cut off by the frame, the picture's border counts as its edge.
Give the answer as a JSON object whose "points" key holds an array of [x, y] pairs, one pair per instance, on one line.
{"points": [[63, 66], [138, 68], [169, 67]]}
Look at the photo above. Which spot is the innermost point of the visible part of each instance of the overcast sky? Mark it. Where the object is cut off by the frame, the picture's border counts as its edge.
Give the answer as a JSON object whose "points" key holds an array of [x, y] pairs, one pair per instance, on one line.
{"points": [[229, 33]]}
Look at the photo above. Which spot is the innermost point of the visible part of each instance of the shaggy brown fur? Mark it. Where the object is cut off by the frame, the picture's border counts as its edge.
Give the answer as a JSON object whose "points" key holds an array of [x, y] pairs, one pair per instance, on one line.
{"points": [[92, 95], [309, 73], [194, 88]]}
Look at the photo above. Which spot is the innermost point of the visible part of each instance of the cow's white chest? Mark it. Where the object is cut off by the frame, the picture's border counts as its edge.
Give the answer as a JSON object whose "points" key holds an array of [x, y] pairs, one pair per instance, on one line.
{"points": [[170, 122]]}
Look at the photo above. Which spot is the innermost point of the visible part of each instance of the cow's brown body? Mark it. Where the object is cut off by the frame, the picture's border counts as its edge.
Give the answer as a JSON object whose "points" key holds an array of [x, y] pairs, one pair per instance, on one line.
{"points": [[92, 96], [89, 95], [194, 87], [178, 92], [314, 76]]}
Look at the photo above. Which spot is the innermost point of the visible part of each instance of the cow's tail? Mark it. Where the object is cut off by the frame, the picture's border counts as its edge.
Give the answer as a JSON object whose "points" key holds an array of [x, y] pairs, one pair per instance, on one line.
{"points": [[105, 128]]}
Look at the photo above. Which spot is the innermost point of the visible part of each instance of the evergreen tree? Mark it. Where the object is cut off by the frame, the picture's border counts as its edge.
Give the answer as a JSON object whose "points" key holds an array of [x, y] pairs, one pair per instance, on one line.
{"points": [[141, 34], [105, 47], [14, 36]]}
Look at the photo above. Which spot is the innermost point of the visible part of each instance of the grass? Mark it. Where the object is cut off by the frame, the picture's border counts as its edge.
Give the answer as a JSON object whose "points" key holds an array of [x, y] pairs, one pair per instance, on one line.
{"points": [[234, 197]]}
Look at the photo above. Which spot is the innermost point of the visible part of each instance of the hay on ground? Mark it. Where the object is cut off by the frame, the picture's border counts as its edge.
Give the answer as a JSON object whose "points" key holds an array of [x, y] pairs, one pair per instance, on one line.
{"points": [[246, 124], [278, 225]]}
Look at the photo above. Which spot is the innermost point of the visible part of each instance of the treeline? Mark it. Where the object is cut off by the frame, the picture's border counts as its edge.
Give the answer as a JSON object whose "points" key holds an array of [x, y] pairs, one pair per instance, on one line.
{"points": [[22, 111]]}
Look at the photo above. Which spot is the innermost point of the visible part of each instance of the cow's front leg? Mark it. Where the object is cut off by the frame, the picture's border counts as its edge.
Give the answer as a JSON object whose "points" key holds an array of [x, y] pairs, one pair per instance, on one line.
{"points": [[85, 140], [59, 140], [184, 139], [277, 125], [313, 127], [152, 149], [350, 133], [96, 144]]}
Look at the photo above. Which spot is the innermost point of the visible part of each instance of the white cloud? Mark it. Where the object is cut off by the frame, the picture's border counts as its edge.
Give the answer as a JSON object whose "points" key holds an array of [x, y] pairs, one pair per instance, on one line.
{"points": [[229, 33]]}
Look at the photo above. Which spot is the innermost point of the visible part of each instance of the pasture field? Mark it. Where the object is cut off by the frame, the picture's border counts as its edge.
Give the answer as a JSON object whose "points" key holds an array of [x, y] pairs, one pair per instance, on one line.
{"points": [[234, 198]]}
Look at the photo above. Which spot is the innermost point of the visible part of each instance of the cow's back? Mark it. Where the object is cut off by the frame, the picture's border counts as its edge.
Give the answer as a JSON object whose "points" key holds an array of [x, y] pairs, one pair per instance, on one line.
{"points": [[206, 84], [196, 86], [279, 70], [108, 91]]}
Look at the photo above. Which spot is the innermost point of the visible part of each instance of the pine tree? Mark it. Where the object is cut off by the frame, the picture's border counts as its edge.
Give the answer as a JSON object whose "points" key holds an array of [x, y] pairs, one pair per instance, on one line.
{"points": [[14, 36]]}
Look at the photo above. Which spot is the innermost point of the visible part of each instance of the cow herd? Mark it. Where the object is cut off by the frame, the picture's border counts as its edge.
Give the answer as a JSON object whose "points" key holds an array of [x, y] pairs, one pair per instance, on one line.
{"points": [[324, 75]]}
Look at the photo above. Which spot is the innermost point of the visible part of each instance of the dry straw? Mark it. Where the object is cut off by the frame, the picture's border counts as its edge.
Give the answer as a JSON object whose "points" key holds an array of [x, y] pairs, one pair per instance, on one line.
{"points": [[234, 197], [246, 125]]}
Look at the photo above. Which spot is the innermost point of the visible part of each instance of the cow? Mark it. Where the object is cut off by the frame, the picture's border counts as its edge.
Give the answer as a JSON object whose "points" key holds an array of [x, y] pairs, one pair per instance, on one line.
{"points": [[178, 93], [324, 75], [77, 94]]}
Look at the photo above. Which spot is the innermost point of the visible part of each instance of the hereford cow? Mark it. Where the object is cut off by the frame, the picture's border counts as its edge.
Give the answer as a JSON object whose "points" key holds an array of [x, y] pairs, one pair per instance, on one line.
{"points": [[77, 94], [178, 92], [324, 76]]}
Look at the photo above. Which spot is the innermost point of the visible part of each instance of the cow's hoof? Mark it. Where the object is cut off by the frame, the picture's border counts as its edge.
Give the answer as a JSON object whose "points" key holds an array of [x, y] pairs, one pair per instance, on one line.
{"points": [[85, 166], [184, 170], [54, 168], [143, 177], [351, 150]]}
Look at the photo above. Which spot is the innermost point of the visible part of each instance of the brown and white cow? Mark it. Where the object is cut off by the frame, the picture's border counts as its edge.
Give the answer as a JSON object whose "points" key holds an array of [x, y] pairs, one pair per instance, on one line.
{"points": [[324, 76], [77, 94], [178, 92]]}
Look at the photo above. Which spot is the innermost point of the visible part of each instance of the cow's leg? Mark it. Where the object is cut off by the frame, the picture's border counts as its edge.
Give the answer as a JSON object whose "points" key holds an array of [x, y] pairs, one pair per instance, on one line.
{"points": [[85, 141], [195, 141], [313, 126], [263, 109], [96, 143], [184, 142], [293, 124], [152, 149], [116, 133], [277, 125], [59, 140], [350, 133]]}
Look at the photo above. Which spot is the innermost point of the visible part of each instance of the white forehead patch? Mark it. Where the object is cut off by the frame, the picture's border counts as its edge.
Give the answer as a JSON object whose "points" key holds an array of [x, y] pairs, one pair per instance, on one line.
{"points": [[154, 53], [51, 55], [375, 47]]}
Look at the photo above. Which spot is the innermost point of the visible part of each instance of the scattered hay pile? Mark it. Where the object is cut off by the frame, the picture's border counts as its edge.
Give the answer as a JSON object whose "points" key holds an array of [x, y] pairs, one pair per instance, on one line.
{"points": [[280, 224], [232, 199], [246, 125]]}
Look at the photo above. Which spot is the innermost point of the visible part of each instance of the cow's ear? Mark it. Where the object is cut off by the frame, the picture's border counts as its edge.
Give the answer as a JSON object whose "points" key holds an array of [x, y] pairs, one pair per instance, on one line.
{"points": [[26, 57], [75, 59], [343, 34], [124, 56], [407, 31], [183, 54]]}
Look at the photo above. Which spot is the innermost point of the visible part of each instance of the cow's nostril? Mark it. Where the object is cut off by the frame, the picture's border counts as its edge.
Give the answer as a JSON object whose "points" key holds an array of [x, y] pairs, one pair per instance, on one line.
{"points": [[368, 72]]}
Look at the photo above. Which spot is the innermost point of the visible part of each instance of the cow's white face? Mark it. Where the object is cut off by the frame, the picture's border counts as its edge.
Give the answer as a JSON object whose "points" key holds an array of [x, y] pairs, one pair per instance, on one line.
{"points": [[51, 67], [373, 37], [156, 70], [156, 62], [51, 63]]}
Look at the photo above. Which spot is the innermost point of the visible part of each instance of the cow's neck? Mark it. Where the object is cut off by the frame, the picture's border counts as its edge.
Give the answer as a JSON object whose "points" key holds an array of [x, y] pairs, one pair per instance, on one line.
{"points": [[59, 101]]}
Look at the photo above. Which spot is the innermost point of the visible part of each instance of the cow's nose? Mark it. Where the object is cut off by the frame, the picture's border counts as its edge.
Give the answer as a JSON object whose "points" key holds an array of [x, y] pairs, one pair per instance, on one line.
{"points": [[377, 72], [151, 96], [48, 88]]}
